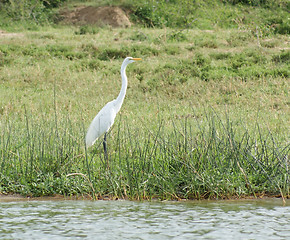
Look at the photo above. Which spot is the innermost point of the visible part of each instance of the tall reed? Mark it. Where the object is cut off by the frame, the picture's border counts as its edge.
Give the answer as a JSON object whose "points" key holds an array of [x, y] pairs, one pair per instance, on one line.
{"points": [[190, 158]]}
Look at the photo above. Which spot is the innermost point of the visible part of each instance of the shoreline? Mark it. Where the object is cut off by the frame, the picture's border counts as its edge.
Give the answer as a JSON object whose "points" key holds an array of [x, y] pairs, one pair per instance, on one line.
{"points": [[19, 198]]}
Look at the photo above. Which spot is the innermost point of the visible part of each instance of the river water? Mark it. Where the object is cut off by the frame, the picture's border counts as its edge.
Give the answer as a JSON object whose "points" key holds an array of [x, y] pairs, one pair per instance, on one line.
{"points": [[247, 219]]}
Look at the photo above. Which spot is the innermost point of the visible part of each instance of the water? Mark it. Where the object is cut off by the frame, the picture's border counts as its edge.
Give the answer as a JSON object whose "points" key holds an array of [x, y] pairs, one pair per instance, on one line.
{"points": [[255, 219]]}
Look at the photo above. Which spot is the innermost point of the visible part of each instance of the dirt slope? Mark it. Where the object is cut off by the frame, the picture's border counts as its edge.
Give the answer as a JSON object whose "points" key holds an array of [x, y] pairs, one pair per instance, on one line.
{"points": [[113, 16]]}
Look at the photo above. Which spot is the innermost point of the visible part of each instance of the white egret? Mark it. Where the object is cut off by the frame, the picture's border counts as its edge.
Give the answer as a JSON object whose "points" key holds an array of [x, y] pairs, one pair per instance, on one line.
{"points": [[105, 118]]}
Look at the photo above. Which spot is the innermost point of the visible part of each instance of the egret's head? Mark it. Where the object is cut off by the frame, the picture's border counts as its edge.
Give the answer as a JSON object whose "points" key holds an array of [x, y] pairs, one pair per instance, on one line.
{"points": [[130, 60]]}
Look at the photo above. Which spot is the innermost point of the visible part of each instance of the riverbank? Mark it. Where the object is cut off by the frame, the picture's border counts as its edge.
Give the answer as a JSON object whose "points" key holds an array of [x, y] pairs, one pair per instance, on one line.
{"points": [[263, 198], [205, 117]]}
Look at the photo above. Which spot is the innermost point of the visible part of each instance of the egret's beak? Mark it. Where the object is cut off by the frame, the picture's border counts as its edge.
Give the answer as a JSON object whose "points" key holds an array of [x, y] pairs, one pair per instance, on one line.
{"points": [[137, 59]]}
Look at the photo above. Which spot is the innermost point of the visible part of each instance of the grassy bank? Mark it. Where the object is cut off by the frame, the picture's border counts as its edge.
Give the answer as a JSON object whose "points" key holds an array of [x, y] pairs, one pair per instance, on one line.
{"points": [[206, 113]]}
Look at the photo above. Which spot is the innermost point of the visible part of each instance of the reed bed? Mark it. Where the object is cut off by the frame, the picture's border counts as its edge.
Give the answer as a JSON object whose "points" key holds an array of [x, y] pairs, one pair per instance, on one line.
{"points": [[185, 158]]}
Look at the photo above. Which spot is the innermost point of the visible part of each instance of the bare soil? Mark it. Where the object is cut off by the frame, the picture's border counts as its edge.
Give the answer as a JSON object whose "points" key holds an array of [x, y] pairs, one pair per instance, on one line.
{"points": [[57, 197], [112, 16]]}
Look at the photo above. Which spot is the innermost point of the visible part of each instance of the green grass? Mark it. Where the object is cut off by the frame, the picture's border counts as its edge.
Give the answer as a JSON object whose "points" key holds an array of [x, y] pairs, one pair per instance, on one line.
{"points": [[206, 113]]}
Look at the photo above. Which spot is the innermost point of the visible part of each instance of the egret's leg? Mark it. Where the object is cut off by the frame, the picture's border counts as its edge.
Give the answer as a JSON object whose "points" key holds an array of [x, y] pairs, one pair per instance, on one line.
{"points": [[105, 149]]}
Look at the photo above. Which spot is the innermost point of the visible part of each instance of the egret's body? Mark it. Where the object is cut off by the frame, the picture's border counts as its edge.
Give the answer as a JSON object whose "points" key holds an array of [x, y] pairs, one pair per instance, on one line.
{"points": [[101, 123], [105, 118]]}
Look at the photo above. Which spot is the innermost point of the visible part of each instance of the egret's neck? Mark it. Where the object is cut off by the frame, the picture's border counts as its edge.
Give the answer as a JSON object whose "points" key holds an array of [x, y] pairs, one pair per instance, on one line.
{"points": [[120, 98]]}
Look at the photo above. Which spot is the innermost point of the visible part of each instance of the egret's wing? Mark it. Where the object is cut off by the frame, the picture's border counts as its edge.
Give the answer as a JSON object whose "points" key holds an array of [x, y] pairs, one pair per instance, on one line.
{"points": [[101, 124]]}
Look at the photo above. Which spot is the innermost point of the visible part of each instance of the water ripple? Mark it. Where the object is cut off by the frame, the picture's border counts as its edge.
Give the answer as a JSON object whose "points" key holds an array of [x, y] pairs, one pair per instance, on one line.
{"points": [[144, 220]]}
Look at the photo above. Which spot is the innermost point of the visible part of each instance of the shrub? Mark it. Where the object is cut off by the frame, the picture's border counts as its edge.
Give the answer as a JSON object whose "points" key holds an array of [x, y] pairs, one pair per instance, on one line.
{"points": [[52, 3], [284, 27], [24, 10], [138, 36], [36, 11], [112, 53], [282, 57], [253, 2], [153, 13], [86, 29]]}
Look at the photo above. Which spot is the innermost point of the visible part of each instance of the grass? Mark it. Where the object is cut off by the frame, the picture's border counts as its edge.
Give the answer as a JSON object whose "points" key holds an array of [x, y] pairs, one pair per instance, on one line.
{"points": [[206, 113]]}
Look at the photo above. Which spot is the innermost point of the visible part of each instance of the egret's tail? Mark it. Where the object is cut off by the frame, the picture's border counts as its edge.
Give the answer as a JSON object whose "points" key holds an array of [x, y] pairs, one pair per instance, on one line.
{"points": [[90, 140]]}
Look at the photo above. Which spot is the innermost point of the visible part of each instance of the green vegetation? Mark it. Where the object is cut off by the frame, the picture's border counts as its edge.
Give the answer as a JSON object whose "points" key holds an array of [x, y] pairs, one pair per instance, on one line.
{"points": [[206, 113]]}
